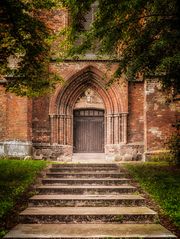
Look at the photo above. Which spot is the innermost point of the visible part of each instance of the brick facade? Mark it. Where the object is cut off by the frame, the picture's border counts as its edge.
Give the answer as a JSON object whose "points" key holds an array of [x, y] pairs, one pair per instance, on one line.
{"points": [[15, 124], [137, 118], [159, 117]]}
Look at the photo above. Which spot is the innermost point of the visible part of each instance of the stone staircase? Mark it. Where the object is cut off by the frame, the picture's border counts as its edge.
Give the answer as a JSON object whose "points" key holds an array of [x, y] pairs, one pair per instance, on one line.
{"points": [[87, 201]]}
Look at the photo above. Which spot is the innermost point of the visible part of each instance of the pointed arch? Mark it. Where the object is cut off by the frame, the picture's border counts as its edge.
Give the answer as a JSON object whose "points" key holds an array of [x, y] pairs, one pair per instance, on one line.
{"points": [[63, 101], [89, 76]]}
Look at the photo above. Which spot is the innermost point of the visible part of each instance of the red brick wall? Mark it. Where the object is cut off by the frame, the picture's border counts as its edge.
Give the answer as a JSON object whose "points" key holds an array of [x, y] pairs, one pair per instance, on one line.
{"points": [[3, 113], [136, 112], [40, 121], [159, 117], [150, 120], [55, 20], [18, 121]]}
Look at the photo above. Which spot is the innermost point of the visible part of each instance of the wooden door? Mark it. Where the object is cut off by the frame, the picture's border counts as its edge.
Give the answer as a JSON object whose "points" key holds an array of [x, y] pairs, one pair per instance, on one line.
{"points": [[88, 131]]}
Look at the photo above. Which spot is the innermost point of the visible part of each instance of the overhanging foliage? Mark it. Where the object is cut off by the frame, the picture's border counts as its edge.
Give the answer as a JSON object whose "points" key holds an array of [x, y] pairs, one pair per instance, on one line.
{"points": [[144, 35], [24, 46]]}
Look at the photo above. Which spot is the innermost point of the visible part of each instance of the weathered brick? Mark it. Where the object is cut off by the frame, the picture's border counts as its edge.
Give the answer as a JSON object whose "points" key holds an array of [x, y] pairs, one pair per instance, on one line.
{"points": [[137, 118]]}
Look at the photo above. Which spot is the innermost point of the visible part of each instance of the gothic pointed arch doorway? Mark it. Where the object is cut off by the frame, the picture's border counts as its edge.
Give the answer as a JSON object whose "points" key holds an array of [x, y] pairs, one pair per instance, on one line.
{"points": [[103, 113]]}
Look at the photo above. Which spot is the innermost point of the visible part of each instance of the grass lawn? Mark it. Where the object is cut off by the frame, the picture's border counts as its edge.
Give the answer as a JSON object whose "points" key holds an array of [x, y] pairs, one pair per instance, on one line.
{"points": [[162, 182], [15, 178]]}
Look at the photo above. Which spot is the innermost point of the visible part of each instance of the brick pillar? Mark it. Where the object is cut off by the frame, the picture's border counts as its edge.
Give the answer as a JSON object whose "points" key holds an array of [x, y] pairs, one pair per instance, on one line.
{"points": [[124, 127], [116, 131], [61, 129], [108, 129], [53, 123], [69, 122]]}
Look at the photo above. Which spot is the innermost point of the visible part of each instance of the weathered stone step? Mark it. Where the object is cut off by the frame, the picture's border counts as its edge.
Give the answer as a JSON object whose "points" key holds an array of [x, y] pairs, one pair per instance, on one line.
{"points": [[84, 169], [50, 189], [87, 215], [115, 167], [80, 165], [80, 181], [86, 200], [88, 231], [86, 175]]}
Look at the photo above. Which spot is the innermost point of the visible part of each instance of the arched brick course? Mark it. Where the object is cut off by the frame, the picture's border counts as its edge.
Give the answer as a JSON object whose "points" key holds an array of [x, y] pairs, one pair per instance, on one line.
{"points": [[113, 97], [63, 101]]}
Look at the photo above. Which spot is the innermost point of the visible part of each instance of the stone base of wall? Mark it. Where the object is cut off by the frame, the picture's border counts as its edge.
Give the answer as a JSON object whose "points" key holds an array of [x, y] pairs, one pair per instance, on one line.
{"points": [[124, 152], [15, 148], [61, 153]]}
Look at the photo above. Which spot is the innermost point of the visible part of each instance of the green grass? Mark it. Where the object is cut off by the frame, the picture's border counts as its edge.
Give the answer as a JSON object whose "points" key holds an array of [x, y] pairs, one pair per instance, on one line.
{"points": [[162, 182], [15, 178]]}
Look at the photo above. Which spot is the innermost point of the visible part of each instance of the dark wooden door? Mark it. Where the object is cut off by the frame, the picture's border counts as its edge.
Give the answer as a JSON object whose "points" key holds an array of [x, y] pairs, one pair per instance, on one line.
{"points": [[88, 131]]}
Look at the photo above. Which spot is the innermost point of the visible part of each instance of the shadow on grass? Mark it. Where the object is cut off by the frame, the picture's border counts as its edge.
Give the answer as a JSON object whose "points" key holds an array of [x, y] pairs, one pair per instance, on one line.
{"points": [[16, 176]]}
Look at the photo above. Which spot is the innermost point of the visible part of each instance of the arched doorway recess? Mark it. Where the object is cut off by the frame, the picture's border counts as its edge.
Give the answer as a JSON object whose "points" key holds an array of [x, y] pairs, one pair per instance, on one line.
{"points": [[64, 102]]}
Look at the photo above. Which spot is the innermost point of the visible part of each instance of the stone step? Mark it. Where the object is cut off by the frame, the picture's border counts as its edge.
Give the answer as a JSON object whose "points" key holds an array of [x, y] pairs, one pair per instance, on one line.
{"points": [[80, 165], [115, 167], [85, 175], [86, 200], [88, 215], [90, 158], [85, 170], [85, 181], [88, 231], [51, 189]]}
